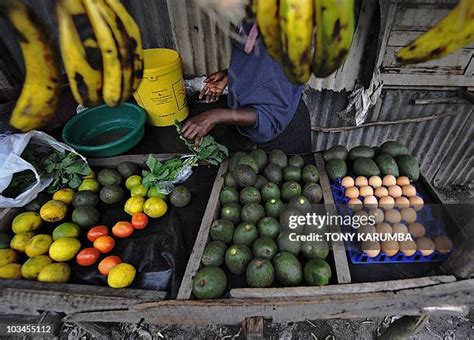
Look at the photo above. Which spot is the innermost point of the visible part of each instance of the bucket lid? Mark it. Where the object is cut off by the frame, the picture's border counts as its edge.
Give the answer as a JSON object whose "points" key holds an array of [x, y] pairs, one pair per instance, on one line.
{"points": [[160, 60]]}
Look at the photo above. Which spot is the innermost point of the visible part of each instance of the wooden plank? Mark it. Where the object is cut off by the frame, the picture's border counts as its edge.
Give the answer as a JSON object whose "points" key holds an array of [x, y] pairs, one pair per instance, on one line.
{"points": [[339, 250], [210, 215], [366, 287]]}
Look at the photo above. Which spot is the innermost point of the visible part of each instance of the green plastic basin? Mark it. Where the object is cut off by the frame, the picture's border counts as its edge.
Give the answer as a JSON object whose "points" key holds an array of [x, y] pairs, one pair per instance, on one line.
{"points": [[105, 131]]}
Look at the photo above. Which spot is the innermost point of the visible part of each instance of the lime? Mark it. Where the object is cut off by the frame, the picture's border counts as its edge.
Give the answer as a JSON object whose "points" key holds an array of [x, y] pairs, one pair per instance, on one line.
{"points": [[133, 181]]}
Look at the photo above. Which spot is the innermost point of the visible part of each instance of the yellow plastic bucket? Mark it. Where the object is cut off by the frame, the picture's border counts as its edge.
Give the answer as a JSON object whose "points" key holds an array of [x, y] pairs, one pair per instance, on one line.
{"points": [[162, 93]]}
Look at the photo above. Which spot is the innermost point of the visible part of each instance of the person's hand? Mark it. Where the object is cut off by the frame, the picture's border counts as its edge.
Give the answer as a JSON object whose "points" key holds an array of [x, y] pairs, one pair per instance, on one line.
{"points": [[213, 87], [197, 127]]}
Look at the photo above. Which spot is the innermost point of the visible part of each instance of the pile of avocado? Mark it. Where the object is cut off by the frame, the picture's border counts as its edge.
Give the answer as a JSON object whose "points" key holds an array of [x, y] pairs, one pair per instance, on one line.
{"points": [[391, 158], [261, 191]]}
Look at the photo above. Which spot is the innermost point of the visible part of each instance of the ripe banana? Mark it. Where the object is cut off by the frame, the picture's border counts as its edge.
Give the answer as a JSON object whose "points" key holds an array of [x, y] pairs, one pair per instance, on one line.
{"points": [[267, 16], [453, 32], [334, 31], [80, 53], [112, 66], [135, 40], [296, 32], [39, 96]]}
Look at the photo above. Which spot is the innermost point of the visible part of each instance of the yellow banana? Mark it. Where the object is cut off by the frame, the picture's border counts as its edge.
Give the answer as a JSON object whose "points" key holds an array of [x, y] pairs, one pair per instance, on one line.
{"points": [[267, 16], [85, 78], [296, 32], [135, 40], [112, 73], [39, 96], [335, 23], [453, 32]]}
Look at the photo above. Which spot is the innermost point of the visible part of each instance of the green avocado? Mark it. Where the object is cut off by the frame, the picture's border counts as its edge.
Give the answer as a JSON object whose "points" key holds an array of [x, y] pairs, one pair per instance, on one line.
{"points": [[252, 213], [289, 190], [285, 243], [290, 216], [313, 192], [260, 273], [264, 247], [85, 198], [394, 148], [180, 196], [365, 167], [408, 166], [229, 195], [274, 207], [288, 270], [310, 174], [231, 212], [278, 157], [234, 160], [387, 165], [273, 173], [237, 257], [127, 169], [361, 151], [292, 173], [222, 230], [229, 181], [260, 182], [85, 216], [270, 191], [250, 195], [336, 152], [260, 157], [248, 160], [244, 175], [268, 227], [336, 168], [209, 283], [300, 203], [245, 234], [315, 249], [296, 160], [213, 254], [317, 272], [111, 194], [109, 177]]}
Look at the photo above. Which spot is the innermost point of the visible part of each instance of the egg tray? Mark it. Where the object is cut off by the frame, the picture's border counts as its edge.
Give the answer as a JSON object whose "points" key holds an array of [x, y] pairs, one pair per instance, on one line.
{"points": [[433, 227]]}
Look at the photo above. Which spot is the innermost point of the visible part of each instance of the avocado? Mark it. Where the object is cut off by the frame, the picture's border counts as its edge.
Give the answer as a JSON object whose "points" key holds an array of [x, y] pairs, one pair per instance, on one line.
{"points": [[180, 196], [234, 160], [222, 230], [245, 234], [361, 151], [213, 254], [237, 257], [315, 249], [296, 160], [289, 215], [292, 173], [278, 157], [264, 247], [127, 169], [260, 157], [248, 160], [365, 167], [231, 212], [209, 283], [317, 272], [285, 243], [387, 165], [229, 181], [260, 182], [85, 216], [268, 227], [310, 174], [313, 192], [36, 204], [229, 195], [270, 191], [250, 195], [335, 152], [260, 273], [252, 213], [288, 270], [301, 204], [274, 207], [109, 177], [394, 148], [111, 194], [244, 175], [336, 168], [289, 190], [5, 240], [408, 166], [85, 198], [273, 173]]}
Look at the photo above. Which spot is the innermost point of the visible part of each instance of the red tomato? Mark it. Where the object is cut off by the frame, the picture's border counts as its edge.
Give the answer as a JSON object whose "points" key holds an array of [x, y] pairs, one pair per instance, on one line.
{"points": [[96, 232], [108, 263], [122, 229], [87, 257], [104, 244], [139, 220]]}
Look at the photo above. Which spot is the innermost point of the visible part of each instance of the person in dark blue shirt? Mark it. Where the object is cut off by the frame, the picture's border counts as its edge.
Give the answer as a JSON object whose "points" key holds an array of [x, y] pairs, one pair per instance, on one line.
{"points": [[263, 104]]}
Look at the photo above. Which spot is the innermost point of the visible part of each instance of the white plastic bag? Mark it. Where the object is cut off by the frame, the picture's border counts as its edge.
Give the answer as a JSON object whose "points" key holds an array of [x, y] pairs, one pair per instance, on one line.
{"points": [[11, 148]]}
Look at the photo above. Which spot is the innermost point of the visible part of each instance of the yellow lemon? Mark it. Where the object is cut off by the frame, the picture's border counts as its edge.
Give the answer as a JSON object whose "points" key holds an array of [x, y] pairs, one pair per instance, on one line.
{"points": [[53, 211], [134, 205], [20, 240], [121, 275], [90, 176], [64, 249], [67, 229], [64, 195], [26, 221], [7, 256], [90, 184], [55, 272], [133, 181], [10, 271], [155, 207], [139, 190], [153, 192], [32, 267], [38, 245]]}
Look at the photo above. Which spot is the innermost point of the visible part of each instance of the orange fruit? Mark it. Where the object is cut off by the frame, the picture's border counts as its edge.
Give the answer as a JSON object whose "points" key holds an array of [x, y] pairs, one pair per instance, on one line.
{"points": [[104, 244], [108, 263], [97, 231], [122, 229], [87, 257], [139, 220]]}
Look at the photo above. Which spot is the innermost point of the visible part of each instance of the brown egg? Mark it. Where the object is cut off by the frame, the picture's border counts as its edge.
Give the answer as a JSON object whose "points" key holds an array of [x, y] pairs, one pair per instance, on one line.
{"points": [[383, 228], [355, 204], [367, 229], [403, 180], [409, 190], [375, 182], [366, 191], [392, 216], [394, 191], [402, 202], [425, 246], [399, 228], [443, 244], [370, 202], [381, 192], [371, 248], [361, 181], [407, 247], [347, 182], [362, 216], [352, 192], [389, 180], [390, 248], [416, 230], [408, 215], [416, 202], [386, 202], [378, 215]]}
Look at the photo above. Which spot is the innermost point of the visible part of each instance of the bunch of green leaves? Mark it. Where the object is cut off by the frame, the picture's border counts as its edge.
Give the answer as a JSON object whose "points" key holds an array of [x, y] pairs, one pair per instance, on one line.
{"points": [[161, 172]]}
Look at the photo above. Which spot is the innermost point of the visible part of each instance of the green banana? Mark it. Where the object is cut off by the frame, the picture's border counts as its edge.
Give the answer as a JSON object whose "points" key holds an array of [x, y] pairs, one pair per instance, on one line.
{"points": [[267, 16], [335, 24], [39, 96], [296, 32], [453, 32]]}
